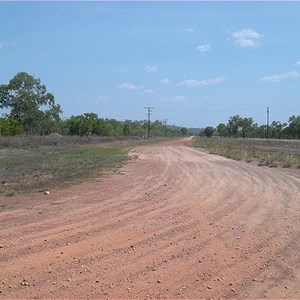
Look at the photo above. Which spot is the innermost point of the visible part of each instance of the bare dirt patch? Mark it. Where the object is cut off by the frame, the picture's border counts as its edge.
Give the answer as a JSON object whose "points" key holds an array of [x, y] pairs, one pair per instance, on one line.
{"points": [[174, 223]]}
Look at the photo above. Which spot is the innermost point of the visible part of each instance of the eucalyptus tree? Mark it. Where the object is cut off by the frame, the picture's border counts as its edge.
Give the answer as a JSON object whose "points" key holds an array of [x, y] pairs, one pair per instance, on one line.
{"points": [[30, 104]]}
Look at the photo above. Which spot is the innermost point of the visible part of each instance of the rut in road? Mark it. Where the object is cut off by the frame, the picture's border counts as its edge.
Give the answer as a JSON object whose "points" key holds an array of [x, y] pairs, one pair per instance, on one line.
{"points": [[176, 223]]}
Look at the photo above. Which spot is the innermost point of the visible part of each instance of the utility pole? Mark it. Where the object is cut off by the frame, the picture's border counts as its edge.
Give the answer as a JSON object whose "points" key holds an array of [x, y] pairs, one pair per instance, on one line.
{"points": [[149, 114], [268, 121]]}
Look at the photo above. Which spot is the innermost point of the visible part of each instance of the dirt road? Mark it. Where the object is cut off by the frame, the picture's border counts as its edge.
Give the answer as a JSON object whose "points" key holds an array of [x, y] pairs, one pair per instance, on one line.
{"points": [[174, 223]]}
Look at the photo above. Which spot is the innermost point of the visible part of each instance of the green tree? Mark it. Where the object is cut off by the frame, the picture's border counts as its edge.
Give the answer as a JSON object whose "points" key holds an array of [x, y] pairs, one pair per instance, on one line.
{"points": [[29, 102], [277, 129], [9, 126], [183, 131], [246, 125], [127, 128], [103, 127], [222, 130], [209, 131], [234, 125], [294, 126]]}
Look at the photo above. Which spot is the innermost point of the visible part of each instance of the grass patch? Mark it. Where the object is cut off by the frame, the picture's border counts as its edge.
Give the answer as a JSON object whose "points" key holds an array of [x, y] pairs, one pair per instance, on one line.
{"points": [[272, 153], [40, 168]]}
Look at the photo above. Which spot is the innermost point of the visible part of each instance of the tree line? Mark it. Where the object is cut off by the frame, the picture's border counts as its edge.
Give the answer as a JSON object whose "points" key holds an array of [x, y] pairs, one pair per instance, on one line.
{"points": [[31, 110], [245, 127]]}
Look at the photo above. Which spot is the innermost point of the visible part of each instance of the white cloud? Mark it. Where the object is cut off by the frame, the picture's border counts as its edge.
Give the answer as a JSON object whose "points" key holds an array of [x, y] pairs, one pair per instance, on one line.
{"points": [[151, 69], [147, 92], [280, 77], [127, 86], [175, 99], [246, 38], [198, 83], [165, 81], [298, 63], [203, 48]]}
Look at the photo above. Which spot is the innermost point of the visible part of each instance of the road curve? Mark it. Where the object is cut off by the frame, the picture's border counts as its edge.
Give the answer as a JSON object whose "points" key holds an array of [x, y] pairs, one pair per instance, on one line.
{"points": [[175, 222]]}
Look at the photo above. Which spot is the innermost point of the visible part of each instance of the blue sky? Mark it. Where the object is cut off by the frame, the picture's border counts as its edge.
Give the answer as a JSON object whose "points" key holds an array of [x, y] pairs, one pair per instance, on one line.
{"points": [[196, 63]]}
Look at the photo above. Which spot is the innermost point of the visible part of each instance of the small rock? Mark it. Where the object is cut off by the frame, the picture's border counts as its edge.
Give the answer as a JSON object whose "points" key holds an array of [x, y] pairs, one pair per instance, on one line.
{"points": [[209, 287], [97, 281], [24, 283], [46, 193], [1, 246], [158, 281]]}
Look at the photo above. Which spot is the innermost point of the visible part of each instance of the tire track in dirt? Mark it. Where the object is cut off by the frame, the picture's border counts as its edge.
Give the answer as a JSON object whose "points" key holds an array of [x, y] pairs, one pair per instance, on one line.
{"points": [[180, 223]]}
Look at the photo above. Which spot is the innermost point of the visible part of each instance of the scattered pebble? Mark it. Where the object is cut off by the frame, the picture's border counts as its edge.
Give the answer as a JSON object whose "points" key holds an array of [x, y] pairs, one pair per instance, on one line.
{"points": [[46, 193], [24, 283]]}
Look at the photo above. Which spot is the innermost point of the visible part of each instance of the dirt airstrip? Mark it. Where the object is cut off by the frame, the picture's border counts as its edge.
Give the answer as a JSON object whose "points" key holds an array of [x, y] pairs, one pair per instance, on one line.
{"points": [[174, 223]]}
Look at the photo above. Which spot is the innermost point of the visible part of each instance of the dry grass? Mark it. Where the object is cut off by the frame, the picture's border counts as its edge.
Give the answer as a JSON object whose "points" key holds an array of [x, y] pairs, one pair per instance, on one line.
{"points": [[41, 168], [272, 153]]}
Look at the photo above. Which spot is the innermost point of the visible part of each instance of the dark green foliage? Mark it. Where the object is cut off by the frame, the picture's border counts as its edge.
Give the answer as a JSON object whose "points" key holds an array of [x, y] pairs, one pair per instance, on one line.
{"points": [[209, 131], [31, 106], [245, 127]]}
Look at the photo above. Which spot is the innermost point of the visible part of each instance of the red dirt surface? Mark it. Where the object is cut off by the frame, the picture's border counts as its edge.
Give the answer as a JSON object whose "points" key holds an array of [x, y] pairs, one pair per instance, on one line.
{"points": [[174, 223]]}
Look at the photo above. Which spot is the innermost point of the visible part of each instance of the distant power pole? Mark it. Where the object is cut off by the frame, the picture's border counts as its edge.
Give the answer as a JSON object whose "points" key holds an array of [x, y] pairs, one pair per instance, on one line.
{"points": [[149, 122], [268, 121]]}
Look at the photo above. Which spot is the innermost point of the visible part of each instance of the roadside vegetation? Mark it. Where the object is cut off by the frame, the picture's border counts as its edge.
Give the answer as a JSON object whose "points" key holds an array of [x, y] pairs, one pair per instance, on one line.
{"points": [[272, 153], [246, 128], [39, 168]]}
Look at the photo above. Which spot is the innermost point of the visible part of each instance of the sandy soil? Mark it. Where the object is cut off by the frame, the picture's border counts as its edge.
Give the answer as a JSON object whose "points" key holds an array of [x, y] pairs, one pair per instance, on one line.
{"points": [[174, 223]]}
